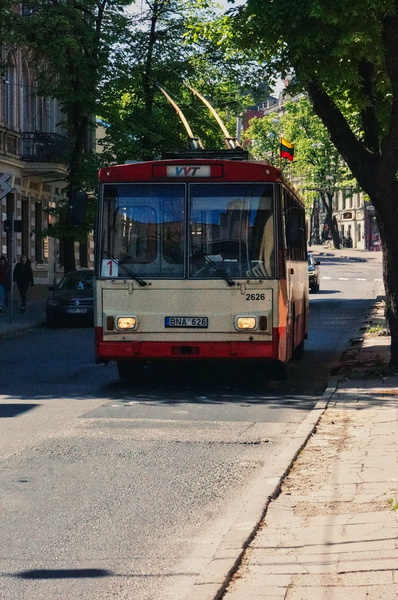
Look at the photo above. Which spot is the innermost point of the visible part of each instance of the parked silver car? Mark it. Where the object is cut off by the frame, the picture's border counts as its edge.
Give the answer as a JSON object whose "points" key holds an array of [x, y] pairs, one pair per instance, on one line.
{"points": [[314, 274]]}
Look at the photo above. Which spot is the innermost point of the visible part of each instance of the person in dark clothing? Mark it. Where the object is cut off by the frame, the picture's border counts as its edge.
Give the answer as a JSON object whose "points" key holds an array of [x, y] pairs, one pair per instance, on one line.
{"points": [[23, 277], [4, 283]]}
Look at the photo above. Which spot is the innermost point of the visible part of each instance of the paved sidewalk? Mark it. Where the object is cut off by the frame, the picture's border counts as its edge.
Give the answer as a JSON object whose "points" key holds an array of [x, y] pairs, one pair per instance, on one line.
{"points": [[332, 532], [350, 253], [15, 322]]}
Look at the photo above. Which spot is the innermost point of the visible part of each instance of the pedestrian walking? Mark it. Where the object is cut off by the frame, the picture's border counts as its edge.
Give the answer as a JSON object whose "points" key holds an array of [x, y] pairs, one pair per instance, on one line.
{"points": [[4, 282], [23, 277]]}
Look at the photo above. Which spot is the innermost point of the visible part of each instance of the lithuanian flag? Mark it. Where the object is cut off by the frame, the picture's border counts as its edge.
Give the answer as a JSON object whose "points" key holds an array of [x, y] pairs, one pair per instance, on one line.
{"points": [[286, 150]]}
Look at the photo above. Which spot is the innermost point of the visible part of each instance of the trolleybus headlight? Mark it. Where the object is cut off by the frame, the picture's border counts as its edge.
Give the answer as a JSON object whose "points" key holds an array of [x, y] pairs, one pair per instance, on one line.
{"points": [[126, 323], [245, 323]]}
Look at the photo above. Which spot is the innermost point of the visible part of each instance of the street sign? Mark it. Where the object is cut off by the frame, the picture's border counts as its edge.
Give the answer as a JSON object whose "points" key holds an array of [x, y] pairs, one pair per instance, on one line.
{"points": [[5, 188]]}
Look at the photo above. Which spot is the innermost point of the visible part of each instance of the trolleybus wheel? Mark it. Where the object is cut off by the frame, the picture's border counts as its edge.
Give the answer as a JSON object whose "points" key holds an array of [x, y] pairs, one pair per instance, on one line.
{"points": [[299, 351], [129, 371], [278, 370]]}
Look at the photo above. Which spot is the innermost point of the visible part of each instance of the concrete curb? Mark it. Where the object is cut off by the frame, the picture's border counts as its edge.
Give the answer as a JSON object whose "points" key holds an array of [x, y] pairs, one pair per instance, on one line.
{"points": [[212, 582], [33, 318]]}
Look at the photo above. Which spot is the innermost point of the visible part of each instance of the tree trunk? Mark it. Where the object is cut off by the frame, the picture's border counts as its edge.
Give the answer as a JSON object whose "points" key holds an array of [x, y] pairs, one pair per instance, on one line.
{"points": [[384, 199], [389, 240], [68, 254], [147, 83], [330, 219], [83, 254], [80, 133]]}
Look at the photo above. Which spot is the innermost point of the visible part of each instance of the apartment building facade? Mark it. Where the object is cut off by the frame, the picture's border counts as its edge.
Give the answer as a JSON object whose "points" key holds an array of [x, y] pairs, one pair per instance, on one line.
{"points": [[355, 220], [33, 169]]}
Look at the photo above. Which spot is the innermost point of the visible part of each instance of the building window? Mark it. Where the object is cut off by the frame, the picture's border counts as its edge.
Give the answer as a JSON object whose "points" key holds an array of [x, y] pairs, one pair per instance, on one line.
{"points": [[38, 232], [10, 98], [25, 246], [10, 215], [27, 101]]}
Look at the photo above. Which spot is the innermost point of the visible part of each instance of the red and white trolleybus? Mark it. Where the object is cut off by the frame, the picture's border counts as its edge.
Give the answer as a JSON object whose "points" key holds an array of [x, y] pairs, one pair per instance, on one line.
{"points": [[199, 256]]}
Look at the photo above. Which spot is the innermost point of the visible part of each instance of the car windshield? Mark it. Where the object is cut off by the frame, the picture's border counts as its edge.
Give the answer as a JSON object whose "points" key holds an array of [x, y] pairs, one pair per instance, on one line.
{"points": [[77, 281]]}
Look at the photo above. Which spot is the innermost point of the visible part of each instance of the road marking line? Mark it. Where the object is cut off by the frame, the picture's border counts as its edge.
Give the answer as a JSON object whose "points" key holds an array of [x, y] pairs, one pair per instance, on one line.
{"points": [[348, 279]]}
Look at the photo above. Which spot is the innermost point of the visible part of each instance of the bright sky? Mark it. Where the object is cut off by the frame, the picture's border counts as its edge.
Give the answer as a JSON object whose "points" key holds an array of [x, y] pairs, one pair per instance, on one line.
{"points": [[228, 4], [224, 3]]}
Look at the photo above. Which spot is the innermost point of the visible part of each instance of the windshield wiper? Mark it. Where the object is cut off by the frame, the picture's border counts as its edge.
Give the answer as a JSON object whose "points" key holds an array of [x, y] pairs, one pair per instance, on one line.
{"points": [[137, 278], [223, 274]]}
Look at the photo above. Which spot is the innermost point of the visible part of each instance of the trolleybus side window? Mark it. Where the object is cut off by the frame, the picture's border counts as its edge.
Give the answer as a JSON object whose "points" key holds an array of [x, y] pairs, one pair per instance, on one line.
{"points": [[231, 225], [144, 228], [295, 228]]}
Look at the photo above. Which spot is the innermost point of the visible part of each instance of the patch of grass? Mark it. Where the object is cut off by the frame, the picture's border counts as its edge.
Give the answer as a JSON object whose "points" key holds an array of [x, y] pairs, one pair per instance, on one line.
{"points": [[377, 329], [393, 502]]}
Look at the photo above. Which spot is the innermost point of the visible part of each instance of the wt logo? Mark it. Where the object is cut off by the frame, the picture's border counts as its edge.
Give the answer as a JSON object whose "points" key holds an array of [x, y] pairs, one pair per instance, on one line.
{"points": [[189, 171]]}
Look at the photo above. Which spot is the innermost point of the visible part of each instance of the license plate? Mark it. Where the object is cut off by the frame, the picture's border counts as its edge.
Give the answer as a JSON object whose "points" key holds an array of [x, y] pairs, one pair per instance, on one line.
{"points": [[201, 322], [76, 311]]}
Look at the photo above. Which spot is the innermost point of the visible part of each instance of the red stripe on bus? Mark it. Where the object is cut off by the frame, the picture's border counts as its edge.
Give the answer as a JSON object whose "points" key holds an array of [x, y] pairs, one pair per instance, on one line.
{"points": [[114, 350], [232, 170]]}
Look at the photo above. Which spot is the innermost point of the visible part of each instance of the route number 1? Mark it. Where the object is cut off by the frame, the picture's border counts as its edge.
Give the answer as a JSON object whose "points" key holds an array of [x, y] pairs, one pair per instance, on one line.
{"points": [[109, 268]]}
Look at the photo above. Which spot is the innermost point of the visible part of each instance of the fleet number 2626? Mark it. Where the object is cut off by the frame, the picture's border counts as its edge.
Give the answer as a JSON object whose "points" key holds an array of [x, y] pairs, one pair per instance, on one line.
{"points": [[255, 296]]}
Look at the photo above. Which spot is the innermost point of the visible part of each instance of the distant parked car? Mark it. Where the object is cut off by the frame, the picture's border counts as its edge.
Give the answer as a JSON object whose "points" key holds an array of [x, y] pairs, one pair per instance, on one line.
{"points": [[314, 275], [72, 299]]}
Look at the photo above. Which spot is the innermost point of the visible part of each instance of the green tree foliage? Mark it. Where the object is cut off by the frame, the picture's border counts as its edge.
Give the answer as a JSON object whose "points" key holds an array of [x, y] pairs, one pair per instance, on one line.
{"points": [[69, 44], [318, 169], [345, 56], [166, 47]]}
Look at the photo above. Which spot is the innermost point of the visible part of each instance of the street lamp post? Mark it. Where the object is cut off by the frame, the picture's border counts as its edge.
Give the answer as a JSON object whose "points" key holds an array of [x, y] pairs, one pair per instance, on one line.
{"points": [[271, 136], [315, 222]]}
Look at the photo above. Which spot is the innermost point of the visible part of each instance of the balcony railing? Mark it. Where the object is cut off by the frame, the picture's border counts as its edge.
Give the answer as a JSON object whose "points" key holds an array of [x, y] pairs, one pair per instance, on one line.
{"points": [[44, 147]]}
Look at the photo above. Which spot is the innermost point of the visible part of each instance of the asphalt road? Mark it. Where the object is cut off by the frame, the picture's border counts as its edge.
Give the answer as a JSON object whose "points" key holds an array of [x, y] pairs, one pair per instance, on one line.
{"points": [[113, 492]]}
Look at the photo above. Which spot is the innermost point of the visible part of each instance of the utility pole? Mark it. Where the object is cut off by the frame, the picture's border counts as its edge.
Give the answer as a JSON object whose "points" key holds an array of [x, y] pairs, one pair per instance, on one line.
{"points": [[5, 189]]}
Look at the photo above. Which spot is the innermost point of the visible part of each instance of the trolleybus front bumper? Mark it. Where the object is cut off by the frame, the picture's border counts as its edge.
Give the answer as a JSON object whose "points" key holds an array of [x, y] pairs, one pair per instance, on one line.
{"points": [[107, 351]]}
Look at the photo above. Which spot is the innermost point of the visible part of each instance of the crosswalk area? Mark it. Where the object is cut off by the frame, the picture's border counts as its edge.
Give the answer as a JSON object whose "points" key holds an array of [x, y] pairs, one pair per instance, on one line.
{"points": [[326, 278]]}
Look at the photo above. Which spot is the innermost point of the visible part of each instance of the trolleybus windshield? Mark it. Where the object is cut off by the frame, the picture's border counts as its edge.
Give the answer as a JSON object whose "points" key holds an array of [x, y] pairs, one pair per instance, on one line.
{"points": [[197, 231], [232, 225]]}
